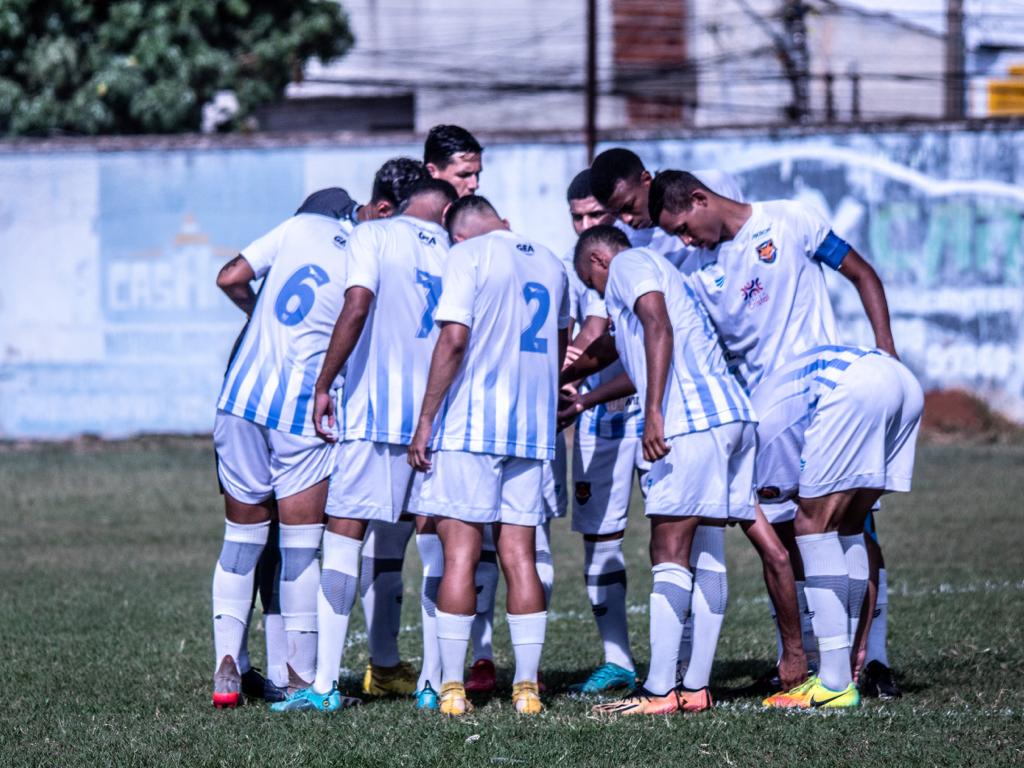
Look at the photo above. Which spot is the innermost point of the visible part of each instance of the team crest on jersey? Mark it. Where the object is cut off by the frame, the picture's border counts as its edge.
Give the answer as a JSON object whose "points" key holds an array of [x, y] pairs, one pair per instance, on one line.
{"points": [[582, 492], [340, 241], [767, 252], [524, 247], [754, 294], [428, 239]]}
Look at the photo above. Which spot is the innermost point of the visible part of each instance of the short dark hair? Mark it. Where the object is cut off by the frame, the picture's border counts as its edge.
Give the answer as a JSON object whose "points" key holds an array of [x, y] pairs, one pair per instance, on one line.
{"points": [[443, 141], [579, 187], [431, 186], [672, 191], [604, 234], [334, 202], [396, 179], [465, 205], [611, 167]]}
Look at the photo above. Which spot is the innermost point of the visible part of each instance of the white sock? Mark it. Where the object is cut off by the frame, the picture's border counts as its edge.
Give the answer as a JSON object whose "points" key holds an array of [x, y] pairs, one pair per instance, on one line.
{"points": [[604, 571], [827, 585], [806, 629], [878, 634], [244, 664], [432, 555], [545, 563], [298, 590], [486, 590], [857, 567], [685, 648], [527, 630], [277, 649], [233, 581], [670, 605], [339, 580], [269, 576], [710, 596], [453, 640], [380, 585]]}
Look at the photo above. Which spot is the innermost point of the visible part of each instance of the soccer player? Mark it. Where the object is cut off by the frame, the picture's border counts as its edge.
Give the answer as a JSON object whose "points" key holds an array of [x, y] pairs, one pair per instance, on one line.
{"points": [[698, 434], [486, 426], [452, 154], [759, 273], [394, 267], [838, 428]]}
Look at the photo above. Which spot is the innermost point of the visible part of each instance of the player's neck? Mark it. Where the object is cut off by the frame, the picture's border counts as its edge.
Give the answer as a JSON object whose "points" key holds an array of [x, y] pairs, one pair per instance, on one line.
{"points": [[734, 216]]}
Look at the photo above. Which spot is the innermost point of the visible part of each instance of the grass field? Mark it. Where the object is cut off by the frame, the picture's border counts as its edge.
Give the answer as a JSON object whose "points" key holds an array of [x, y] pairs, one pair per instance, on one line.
{"points": [[106, 553]]}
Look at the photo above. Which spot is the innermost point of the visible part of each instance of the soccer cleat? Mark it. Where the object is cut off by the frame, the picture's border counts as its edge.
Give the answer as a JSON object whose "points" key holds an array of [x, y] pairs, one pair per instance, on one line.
{"points": [[811, 694], [876, 679], [483, 677], [526, 698], [399, 680], [453, 700], [607, 677], [256, 686], [694, 701], [307, 699], [227, 685], [640, 701], [427, 698]]}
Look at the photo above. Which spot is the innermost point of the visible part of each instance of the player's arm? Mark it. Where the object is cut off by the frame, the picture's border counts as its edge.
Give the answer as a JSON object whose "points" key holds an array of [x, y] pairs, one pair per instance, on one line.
{"points": [[444, 365], [591, 329], [235, 279], [619, 387], [658, 338], [344, 337], [872, 295], [599, 354]]}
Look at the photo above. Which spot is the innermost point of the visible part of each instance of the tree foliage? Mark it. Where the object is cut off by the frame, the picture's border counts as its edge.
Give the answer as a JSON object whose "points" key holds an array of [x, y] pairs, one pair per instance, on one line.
{"points": [[126, 66]]}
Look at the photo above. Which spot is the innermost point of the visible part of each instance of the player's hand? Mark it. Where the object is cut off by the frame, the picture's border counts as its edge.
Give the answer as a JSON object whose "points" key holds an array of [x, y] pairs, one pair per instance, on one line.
{"points": [[572, 354], [419, 453], [570, 405], [653, 440], [323, 406]]}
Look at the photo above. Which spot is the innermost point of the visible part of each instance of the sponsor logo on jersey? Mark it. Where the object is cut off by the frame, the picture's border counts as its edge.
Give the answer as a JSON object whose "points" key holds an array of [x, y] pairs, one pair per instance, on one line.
{"points": [[767, 252], [754, 294], [340, 241], [428, 239], [763, 232], [803, 463], [582, 492], [524, 247]]}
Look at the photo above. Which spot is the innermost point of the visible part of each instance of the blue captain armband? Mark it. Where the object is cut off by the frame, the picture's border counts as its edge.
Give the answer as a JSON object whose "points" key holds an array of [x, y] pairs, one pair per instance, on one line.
{"points": [[832, 250]]}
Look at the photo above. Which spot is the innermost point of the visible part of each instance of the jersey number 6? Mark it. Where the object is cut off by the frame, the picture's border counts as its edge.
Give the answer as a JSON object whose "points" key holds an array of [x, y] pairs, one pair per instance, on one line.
{"points": [[297, 296], [529, 342]]}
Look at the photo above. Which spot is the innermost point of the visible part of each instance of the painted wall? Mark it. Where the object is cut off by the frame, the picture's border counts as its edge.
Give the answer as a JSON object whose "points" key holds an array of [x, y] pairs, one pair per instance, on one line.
{"points": [[110, 321]]}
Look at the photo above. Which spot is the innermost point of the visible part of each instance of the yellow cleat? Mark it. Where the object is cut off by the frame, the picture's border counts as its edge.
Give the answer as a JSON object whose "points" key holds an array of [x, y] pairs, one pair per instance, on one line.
{"points": [[811, 694], [453, 700], [526, 698], [399, 680], [641, 702]]}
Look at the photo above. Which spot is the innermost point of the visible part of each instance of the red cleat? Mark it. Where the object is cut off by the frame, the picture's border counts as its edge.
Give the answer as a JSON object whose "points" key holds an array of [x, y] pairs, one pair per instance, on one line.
{"points": [[483, 678]]}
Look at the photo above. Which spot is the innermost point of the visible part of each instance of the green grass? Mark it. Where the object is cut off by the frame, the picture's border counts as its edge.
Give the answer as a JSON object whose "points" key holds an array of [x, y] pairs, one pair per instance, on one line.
{"points": [[106, 553]]}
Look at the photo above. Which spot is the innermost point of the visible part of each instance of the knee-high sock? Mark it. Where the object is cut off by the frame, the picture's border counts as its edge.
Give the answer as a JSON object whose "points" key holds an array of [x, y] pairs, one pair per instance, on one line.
{"points": [[685, 648], [486, 589], [453, 640], [233, 581], [806, 629], [432, 555], [604, 570], [299, 581], [545, 563], [269, 579], [527, 630], [710, 596], [339, 580], [827, 585], [878, 634], [670, 604], [380, 585], [857, 567]]}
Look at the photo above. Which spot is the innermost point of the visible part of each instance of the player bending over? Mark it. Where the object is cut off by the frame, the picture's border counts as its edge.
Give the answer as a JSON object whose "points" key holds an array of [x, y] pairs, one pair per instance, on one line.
{"points": [[486, 426]]}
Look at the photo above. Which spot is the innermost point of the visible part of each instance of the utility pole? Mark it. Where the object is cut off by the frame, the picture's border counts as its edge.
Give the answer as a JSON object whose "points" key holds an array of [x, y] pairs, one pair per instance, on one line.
{"points": [[590, 128], [796, 58], [956, 76]]}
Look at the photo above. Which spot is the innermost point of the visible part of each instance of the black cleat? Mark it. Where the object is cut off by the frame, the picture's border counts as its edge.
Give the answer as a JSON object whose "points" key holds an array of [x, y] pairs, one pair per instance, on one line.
{"points": [[877, 680], [256, 686]]}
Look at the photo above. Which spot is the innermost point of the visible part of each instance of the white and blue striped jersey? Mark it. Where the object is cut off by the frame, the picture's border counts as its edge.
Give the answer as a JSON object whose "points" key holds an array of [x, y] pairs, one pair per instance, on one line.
{"points": [[513, 295], [765, 288], [700, 392], [272, 373], [786, 401], [401, 261]]}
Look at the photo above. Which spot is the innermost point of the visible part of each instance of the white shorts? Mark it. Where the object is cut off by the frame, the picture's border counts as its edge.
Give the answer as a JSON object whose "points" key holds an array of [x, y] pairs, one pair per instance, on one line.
{"points": [[481, 488], [556, 498], [864, 432], [706, 474], [780, 512], [371, 481], [602, 473], [255, 462]]}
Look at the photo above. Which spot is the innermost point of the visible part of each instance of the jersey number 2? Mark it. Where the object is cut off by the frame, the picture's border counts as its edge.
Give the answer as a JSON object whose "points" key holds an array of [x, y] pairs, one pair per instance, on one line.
{"points": [[529, 342], [297, 296]]}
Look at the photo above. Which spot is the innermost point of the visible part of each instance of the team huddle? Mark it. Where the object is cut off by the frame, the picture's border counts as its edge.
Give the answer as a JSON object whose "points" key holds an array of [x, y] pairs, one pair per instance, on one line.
{"points": [[413, 366]]}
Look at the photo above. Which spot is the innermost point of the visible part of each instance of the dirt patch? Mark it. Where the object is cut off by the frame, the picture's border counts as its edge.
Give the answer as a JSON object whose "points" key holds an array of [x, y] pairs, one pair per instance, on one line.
{"points": [[953, 415]]}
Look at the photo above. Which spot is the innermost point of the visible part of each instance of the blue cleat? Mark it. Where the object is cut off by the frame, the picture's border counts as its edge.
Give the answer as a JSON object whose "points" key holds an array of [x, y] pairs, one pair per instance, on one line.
{"points": [[308, 699], [427, 698], [607, 677]]}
